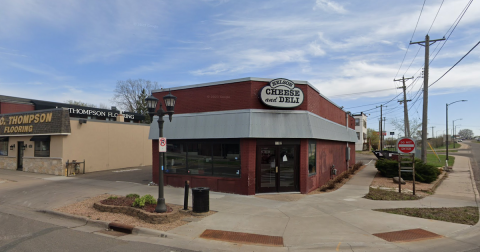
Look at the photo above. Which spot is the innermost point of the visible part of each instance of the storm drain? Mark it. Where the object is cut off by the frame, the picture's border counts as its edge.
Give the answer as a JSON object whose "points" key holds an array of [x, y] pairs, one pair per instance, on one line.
{"points": [[408, 235], [239, 237]]}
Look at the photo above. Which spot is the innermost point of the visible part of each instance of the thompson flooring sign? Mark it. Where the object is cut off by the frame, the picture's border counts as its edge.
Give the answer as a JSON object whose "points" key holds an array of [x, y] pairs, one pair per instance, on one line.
{"points": [[281, 93], [35, 122]]}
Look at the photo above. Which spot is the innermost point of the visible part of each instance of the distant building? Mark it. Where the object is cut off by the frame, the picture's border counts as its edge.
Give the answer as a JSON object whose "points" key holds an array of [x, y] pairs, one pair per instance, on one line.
{"points": [[48, 137], [361, 131]]}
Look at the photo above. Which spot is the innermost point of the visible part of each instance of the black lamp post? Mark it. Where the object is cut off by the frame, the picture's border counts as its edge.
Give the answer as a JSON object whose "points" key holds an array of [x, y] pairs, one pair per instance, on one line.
{"points": [[446, 143], [152, 104]]}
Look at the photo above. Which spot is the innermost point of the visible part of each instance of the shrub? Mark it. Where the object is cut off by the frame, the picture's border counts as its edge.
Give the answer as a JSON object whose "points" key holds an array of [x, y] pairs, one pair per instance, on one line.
{"points": [[113, 197], [145, 199], [133, 195], [139, 202], [149, 199], [423, 172]]}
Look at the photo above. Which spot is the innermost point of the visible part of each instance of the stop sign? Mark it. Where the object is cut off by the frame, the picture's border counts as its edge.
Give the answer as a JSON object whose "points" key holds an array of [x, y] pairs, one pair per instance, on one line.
{"points": [[406, 145]]}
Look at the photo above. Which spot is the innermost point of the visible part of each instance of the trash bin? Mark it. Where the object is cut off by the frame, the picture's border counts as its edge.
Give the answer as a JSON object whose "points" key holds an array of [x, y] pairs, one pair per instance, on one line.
{"points": [[200, 199]]}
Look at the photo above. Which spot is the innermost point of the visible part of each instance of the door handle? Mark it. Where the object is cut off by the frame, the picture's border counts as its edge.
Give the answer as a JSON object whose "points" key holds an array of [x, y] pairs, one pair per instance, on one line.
{"points": [[276, 169]]}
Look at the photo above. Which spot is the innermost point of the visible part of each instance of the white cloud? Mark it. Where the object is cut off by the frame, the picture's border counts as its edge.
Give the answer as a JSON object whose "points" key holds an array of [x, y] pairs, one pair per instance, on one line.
{"points": [[316, 49], [329, 6]]}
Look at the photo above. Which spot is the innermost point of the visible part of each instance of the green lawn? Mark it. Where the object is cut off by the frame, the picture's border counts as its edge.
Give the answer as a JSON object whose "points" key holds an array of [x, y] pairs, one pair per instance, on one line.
{"points": [[432, 159], [450, 146]]}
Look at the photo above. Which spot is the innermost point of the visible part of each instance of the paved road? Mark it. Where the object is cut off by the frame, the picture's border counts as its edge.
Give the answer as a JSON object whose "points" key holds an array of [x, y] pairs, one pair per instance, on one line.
{"points": [[141, 175], [24, 234]]}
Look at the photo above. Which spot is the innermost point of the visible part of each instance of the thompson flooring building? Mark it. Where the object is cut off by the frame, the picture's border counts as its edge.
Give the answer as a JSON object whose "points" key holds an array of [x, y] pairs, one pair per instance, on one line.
{"points": [[46, 137], [254, 135]]}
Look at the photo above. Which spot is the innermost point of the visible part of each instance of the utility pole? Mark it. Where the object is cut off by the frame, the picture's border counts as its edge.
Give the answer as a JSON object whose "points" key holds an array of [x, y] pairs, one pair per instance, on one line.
{"points": [[426, 44], [433, 136], [380, 127], [384, 128], [405, 108]]}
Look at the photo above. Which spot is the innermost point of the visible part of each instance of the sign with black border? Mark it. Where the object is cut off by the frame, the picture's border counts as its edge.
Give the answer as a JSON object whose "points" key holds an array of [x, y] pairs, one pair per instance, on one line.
{"points": [[281, 93]]}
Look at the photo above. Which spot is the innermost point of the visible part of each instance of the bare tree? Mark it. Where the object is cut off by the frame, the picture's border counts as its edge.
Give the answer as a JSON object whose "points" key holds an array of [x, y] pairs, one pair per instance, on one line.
{"points": [[128, 93], [80, 103], [466, 133], [415, 126], [103, 106]]}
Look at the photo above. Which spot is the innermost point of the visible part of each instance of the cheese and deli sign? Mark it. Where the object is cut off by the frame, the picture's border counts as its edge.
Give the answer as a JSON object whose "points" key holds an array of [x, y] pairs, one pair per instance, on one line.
{"points": [[281, 93]]}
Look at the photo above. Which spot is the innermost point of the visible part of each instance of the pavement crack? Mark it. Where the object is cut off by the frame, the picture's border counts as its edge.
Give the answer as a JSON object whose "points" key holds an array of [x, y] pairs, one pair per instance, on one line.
{"points": [[285, 229]]}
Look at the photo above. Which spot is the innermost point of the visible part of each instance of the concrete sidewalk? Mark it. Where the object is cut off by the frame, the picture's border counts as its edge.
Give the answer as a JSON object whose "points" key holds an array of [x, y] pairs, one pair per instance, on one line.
{"points": [[335, 221]]}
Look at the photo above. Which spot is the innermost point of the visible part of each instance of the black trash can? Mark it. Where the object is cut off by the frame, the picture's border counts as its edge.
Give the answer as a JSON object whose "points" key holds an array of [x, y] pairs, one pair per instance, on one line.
{"points": [[200, 199]]}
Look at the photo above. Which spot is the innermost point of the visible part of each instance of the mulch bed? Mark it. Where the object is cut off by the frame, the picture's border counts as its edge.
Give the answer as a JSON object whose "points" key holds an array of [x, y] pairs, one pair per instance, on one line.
{"points": [[124, 201]]}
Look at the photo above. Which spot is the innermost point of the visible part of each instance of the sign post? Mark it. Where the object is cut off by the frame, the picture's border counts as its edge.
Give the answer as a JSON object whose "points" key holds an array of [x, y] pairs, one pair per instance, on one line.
{"points": [[406, 148], [162, 144]]}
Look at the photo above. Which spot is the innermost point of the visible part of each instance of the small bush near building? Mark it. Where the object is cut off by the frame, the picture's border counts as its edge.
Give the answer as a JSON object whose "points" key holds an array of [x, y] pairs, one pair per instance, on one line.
{"points": [[424, 173], [339, 178]]}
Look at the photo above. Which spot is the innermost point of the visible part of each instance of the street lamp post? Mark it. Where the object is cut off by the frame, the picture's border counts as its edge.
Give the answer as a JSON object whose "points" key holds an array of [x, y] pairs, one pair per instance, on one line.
{"points": [[151, 105], [446, 158]]}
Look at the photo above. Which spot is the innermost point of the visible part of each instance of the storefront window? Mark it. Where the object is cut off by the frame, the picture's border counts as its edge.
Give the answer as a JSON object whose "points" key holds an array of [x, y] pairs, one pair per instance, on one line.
{"points": [[42, 149], [205, 158], [200, 159], [176, 158], [4, 146], [312, 157], [226, 160]]}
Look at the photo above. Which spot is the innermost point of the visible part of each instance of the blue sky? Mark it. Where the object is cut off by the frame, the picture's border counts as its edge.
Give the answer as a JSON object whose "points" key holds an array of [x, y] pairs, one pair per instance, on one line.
{"points": [[78, 50]]}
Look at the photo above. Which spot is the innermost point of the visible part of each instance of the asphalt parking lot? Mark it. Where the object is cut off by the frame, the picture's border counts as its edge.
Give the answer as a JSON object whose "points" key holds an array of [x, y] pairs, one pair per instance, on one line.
{"points": [[141, 175]]}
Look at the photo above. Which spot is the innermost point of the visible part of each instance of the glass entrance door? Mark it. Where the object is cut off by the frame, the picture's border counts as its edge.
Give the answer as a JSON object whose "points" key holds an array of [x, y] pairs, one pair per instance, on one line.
{"points": [[277, 169], [20, 156]]}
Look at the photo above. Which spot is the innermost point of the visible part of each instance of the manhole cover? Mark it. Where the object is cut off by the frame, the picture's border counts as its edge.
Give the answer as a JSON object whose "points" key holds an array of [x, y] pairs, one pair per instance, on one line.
{"points": [[408, 235], [239, 237]]}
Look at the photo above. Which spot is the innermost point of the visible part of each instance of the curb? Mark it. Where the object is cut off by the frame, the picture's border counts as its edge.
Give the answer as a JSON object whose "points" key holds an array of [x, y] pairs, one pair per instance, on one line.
{"points": [[108, 225], [89, 222], [156, 233]]}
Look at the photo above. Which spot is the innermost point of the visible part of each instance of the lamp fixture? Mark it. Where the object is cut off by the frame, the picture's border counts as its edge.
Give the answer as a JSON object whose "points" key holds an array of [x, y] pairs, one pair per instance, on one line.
{"points": [[12, 146]]}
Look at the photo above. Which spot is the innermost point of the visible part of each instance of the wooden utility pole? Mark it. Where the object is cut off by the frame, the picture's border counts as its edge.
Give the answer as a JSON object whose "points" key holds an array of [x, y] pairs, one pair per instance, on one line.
{"points": [[380, 126], [426, 44], [405, 107]]}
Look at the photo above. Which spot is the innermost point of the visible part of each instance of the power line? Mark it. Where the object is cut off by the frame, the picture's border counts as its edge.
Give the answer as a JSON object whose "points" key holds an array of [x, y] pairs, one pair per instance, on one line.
{"points": [[414, 30], [435, 16], [455, 64], [459, 18], [379, 90], [364, 105]]}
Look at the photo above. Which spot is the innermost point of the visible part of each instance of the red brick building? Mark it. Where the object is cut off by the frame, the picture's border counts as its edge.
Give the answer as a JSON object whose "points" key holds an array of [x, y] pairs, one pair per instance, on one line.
{"points": [[254, 135]]}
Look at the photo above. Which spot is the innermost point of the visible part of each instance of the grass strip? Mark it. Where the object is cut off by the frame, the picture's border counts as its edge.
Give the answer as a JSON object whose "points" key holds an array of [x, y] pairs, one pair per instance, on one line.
{"points": [[461, 215], [432, 159]]}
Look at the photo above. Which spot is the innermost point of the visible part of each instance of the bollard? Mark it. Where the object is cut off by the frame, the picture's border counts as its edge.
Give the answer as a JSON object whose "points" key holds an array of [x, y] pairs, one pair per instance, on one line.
{"points": [[185, 199]]}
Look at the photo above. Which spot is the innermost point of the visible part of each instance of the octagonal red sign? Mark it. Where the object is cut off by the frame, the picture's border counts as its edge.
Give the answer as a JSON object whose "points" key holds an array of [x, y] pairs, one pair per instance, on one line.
{"points": [[406, 145]]}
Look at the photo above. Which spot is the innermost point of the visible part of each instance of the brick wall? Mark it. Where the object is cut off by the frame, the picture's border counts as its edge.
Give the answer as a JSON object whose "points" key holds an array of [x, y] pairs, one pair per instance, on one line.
{"points": [[6, 107], [245, 95], [329, 153]]}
